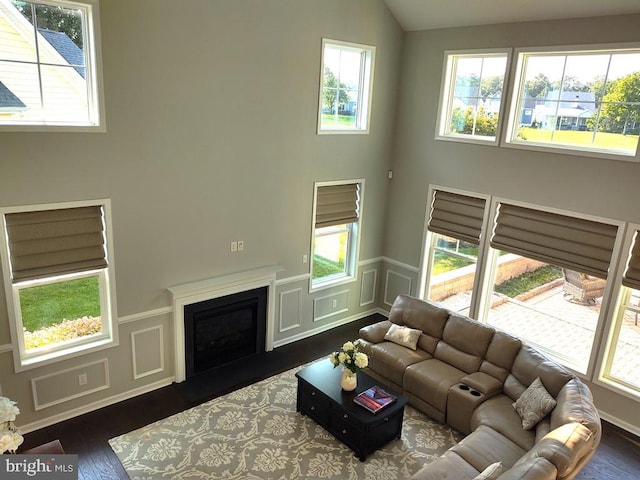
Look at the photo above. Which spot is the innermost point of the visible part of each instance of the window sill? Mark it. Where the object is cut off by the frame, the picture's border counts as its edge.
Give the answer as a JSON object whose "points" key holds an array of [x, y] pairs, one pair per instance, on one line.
{"points": [[334, 282], [488, 141], [568, 150]]}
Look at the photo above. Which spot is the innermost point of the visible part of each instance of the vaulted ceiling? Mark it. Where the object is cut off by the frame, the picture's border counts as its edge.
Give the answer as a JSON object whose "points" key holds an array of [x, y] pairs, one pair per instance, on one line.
{"points": [[430, 14]]}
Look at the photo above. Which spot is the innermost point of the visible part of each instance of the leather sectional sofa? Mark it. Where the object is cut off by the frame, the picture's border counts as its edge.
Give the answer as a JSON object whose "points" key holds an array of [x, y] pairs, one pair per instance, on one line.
{"points": [[472, 377]]}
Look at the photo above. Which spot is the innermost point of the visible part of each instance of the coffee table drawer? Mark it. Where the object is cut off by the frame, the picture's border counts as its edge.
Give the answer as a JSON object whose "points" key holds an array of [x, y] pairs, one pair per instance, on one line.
{"points": [[346, 431], [314, 403]]}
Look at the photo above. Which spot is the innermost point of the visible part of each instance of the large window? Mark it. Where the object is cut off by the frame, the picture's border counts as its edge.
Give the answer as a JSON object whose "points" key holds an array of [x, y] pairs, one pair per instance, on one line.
{"points": [[337, 208], [49, 65], [58, 278], [345, 87], [471, 96], [586, 100]]}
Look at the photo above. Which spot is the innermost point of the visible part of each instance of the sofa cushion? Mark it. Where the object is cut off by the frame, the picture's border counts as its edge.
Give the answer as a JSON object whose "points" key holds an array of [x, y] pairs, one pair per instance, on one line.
{"points": [[449, 466], [418, 314], [375, 333], [464, 361], [499, 414], [537, 468], [467, 335], [492, 472], [500, 355], [530, 363], [405, 336], [534, 404], [431, 380], [390, 360], [486, 446]]}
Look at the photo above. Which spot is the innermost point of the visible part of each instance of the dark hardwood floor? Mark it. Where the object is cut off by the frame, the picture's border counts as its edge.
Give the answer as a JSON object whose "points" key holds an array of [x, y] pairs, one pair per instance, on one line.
{"points": [[618, 456]]}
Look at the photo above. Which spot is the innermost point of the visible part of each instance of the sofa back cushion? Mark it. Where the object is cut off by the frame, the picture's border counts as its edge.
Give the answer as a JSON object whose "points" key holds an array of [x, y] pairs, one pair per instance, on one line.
{"points": [[418, 314], [500, 355], [464, 343], [529, 364]]}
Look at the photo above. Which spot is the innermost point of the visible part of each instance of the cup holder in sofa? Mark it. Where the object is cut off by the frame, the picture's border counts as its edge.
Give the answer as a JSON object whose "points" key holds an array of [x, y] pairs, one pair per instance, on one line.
{"points": [[475, 393], [464, 387]]}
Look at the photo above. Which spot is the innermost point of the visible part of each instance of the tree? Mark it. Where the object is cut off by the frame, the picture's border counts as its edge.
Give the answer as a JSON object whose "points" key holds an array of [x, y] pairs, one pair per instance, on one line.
{"points": [[621, 105], [462, 121], [538, 87], [490, 86], [58, 19], [332, 95]]}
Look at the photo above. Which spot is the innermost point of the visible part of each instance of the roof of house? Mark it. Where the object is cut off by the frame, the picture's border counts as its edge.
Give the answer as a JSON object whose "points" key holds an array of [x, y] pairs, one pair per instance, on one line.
{"points": [[65, 47], [8, 100]]}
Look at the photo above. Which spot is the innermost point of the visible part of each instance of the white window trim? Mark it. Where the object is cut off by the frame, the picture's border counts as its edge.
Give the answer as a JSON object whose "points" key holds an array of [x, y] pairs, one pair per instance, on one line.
{"points": [[365, 89], [446, 92], [108, 339], [95, 84], [515, 79], [353, 250]]}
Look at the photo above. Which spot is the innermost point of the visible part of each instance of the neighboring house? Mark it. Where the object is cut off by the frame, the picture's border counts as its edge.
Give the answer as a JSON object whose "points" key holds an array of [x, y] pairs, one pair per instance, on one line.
{"points": [[567, 110], [9, 102], [61, 88]]}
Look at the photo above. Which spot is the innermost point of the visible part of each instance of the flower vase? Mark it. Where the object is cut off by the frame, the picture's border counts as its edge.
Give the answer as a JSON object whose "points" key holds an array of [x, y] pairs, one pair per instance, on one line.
{"points": [[349, 380]]}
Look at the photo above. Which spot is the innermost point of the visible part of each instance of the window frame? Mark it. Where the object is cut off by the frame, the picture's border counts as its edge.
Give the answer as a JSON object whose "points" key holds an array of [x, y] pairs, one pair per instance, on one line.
{"points": [[353, 244], [365, 87], [516, 82], [447, 86], [24, 360], [93, 69]]}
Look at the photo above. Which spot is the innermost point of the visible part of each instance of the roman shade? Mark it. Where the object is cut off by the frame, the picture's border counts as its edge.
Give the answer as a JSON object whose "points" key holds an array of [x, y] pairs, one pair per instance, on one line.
{"points": [[337, 204], [574, 243], [55, 242], [631, 277], [457, 216]]}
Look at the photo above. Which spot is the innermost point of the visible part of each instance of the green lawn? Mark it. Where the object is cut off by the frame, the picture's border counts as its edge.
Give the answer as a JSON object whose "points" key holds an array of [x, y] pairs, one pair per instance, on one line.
{"points": [[323, 267], [445, 262], [528, 281], [45, 305], [343, 120], [615, 141]]}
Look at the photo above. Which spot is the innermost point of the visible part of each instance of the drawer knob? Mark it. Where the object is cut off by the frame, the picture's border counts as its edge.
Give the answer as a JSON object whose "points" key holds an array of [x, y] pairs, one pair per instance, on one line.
{"points": [[313, 408], [313, 394], [345, 416], [344, 431]]}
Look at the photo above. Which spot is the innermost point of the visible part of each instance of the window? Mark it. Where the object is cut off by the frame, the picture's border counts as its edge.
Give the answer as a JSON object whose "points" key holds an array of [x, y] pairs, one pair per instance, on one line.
{"points": [[58, 277], [471, 96], [455, 227], [49, 64], [334, 250], [346, 83], [586, 100]]}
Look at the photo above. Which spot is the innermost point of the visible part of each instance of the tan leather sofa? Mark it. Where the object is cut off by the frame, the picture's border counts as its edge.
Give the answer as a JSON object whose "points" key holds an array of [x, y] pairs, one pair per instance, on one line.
{"points": [[469, 375]]}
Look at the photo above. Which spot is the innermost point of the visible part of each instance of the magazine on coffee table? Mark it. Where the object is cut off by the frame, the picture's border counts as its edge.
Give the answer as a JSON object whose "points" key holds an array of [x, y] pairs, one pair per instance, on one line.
{"points": [[374, 399]]}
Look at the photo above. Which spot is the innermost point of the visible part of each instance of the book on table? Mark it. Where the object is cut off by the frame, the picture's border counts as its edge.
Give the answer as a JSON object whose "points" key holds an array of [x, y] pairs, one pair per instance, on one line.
{"points": [[374, 399]]}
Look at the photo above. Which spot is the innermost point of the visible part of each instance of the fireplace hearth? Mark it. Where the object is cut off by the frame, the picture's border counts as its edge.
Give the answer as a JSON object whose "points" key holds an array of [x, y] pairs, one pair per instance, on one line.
{"points": [[223, 330]]}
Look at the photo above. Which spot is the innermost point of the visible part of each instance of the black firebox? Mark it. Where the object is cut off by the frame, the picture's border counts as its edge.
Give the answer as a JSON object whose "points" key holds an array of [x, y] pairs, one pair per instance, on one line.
{"points": [[224, 330]]}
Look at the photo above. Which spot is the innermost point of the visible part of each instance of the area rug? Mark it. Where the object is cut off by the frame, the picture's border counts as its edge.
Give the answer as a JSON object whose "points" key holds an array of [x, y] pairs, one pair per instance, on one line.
{"points": [[256, 433]]}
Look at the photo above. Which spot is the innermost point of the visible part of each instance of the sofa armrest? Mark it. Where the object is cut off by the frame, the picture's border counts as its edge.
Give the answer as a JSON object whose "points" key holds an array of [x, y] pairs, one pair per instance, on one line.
{"points": [[531, 469], [565, 446], [484, 383], [375, 332]]}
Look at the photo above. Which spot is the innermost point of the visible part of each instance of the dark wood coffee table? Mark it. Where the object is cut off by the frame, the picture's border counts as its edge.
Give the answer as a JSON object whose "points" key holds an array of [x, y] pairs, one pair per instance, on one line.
{"points": [[321, 398]]}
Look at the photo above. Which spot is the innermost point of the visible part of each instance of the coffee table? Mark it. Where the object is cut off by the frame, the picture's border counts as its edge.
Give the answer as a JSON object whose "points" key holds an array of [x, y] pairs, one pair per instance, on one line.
{"points": [[321, 398]]}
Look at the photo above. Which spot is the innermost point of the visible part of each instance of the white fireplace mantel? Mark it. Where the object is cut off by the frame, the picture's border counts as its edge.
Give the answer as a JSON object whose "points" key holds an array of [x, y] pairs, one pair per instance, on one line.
{"points": [[194, 292]]}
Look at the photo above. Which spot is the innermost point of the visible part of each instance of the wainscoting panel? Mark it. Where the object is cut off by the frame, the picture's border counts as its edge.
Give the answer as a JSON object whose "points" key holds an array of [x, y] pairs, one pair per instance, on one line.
{"points": [[396, 284], [368, 287], [330, 305], [66, 385], [147, 351], [290, 309]]}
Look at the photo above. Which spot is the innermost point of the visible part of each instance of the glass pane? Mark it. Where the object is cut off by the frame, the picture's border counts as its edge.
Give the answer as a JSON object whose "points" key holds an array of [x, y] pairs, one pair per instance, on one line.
{"points": [[59, 312], [17, 43], [553, 308], [587, 101], [61, 32], [21, 93], [453, 270], [350, 69], [64, 93], [330, 251], [626, 361]]}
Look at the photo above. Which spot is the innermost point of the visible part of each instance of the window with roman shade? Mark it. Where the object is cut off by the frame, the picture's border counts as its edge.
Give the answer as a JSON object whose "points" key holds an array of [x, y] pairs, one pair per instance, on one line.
{"points": [[574, 243], [456, 215], [335, 236], [55, 242], [57, 269]]}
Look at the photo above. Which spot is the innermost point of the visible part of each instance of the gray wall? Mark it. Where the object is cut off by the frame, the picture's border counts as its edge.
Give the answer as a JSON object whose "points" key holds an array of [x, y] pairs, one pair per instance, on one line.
{"points": [[581, 184], [211, 109]]}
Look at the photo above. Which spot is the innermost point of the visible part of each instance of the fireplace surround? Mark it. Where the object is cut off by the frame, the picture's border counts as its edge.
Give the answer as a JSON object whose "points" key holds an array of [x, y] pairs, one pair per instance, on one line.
{"points": [[188, 294]]}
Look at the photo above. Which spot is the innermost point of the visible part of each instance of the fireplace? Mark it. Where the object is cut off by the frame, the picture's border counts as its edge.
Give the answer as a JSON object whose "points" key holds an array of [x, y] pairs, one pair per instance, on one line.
{"points": [[224, 330], [212, 289]]}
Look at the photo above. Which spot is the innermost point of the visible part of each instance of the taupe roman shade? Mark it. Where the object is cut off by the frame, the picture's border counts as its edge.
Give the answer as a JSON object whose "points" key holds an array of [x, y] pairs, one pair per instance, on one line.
{"points": [[337, 204], [457, 216], [55, 242], [631, 277], [574, 243]]}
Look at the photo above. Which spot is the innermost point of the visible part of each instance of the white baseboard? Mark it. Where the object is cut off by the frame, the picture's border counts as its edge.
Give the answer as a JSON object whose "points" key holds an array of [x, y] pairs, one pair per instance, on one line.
{"points": [[629, 427], [105, 402]]}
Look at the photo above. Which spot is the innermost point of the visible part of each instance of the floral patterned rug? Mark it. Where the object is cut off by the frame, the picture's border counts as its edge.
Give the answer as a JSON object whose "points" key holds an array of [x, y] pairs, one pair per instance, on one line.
{"points": [[256, 433]]}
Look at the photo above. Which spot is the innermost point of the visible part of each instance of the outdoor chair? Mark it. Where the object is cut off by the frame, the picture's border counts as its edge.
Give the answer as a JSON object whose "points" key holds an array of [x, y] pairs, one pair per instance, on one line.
{"points": [[582, 288]]}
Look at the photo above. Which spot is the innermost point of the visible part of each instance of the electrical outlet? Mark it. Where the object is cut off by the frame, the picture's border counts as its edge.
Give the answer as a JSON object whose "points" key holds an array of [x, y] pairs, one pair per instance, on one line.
{"points": [[240, 245], [305, 258], [234, 246], [82, 379]]}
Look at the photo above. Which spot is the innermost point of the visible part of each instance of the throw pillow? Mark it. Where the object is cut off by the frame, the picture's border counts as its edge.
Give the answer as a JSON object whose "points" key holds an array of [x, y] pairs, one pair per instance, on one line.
{"points": [[534, 404], [405, 336], [492, 472]]}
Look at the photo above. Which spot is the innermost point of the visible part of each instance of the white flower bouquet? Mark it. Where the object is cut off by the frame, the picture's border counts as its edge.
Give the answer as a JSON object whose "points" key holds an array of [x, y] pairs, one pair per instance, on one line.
{"points": [[10, 438], [350, 357]]}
